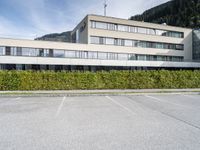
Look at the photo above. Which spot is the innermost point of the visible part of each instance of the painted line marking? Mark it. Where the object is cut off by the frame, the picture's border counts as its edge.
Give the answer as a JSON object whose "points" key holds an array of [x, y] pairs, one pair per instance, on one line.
{"points": [[189, 96], [163, 101], [122, 106], [18, 98], [60, 106]]}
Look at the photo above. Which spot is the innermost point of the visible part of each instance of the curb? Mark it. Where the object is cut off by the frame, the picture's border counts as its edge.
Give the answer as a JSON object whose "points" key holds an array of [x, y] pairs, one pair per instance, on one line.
{"points": [[94, 93]]}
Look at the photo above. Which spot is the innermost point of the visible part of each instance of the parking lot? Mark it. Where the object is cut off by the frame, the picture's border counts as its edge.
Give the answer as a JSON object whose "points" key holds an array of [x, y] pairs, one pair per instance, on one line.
{"points": [[146, 122]]}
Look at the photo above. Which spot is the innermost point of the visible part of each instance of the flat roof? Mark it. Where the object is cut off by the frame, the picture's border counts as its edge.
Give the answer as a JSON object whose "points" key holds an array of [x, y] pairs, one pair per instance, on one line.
{"points": [[147, 23]]}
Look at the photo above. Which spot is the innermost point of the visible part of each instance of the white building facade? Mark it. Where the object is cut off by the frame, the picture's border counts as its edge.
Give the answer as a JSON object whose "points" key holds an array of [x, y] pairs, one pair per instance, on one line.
{"points": [[104, 43]]}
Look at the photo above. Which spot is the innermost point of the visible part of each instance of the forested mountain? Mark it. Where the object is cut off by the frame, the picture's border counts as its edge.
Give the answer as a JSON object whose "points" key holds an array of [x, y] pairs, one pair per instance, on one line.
{"points": [[183, 13], [59, 37]]}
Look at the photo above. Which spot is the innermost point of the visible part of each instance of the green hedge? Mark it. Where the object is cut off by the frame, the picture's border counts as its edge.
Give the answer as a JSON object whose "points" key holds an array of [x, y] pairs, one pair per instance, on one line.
{"points": [[48, 80]]}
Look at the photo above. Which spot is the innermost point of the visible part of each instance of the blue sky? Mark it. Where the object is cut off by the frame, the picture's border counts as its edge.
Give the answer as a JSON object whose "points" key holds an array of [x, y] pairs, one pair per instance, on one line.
{"points": [[33, 18]]}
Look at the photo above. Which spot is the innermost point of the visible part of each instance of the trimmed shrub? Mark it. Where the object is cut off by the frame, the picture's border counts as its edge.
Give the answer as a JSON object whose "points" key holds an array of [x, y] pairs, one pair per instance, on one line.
{"points": [[49, 80]]}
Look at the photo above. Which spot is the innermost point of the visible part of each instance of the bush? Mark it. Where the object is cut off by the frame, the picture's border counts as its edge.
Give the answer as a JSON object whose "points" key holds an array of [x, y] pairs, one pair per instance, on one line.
{"points": [[49, 80]]}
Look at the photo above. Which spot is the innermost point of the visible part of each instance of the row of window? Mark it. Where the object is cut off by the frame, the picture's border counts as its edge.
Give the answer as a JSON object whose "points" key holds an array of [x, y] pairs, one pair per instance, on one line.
{"points": [[134, 29], [18, 51], [134, 43]]}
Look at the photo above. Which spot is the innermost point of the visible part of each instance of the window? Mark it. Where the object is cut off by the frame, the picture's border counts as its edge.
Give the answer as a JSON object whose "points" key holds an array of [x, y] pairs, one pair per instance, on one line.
{"points": [[92, 55], [25, 51], [142, 30], [179, 47], [84, 54], [59, 53], [123, 28], [112, 26], [101, 25], [94, 40], [109, 41], [133, 29], [141, 57], [132, 57], [159, 45], [70, 54], [13, 51], [93, 24], [151, 31], [102, 55], [122, 56], [159, 58], [161, 32], [8, 51], [19, 51], [128, 43], [46, 53], [2, 50], [102, 40], [112, 56]]}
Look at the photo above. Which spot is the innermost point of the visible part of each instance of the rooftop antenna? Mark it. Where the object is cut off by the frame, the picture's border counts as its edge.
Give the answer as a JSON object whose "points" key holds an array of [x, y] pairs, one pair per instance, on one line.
{"points": [[105, 6]]}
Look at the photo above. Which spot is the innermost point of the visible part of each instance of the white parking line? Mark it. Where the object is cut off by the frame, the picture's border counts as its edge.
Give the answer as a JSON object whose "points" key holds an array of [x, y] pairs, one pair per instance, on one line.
{"points": [[60, 107], [163, 101], [122, 106], [18, 98], [189, 96]]}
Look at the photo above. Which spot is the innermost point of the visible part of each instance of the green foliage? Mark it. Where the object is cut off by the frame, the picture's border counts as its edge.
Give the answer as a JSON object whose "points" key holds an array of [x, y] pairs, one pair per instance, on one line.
{"points": [[183, 13], [49, 80]]}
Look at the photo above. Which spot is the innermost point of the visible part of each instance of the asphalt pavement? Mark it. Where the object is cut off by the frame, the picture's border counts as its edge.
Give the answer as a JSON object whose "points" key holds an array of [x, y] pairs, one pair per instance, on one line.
{"points": [[144, 122]]}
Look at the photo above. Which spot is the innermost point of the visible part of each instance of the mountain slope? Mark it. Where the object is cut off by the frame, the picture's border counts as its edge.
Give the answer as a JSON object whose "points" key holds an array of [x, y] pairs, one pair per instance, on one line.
{"points": [[60, 37], [183, 13]]}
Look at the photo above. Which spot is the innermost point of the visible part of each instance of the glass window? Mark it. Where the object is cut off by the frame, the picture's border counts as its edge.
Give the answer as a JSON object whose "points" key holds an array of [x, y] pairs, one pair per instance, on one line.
{"points": [[2, 50], [151, 31], [133, 29], [142, 30], [70, 54], [109, 41], [123, 28], [8, 50], [159, 58], [102, 40], [13, 51], [84, 54], [102, 56], [112, 26], [141, 57], [160, 32], [94, 40], [78, 54], [93, 24], [19, 51], [101, 25], [169, 58], [150, 58], [159, 45], [179, 47], [122, 56], [59, 53], [46, 53], [92, 55], [25, 51], [112, 56], [128, 43], [132, 57], [142, 44], [32, 52]]}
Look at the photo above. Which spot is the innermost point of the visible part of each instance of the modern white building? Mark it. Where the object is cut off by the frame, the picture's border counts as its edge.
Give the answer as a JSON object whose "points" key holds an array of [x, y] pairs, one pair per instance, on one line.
{"points": [[104, 43]]}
